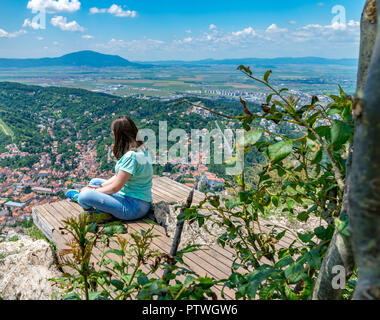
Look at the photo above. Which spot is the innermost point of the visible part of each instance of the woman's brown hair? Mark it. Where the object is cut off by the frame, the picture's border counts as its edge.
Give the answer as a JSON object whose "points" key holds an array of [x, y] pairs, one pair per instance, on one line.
{"points": [[125, 135]]}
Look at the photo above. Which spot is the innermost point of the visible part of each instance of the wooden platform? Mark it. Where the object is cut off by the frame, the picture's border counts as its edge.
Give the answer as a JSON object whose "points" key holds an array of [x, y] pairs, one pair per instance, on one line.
{"points": [[213, 260]]}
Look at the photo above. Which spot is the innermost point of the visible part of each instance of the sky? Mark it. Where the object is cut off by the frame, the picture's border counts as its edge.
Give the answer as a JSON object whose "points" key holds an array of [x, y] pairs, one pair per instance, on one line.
{"points": [[151, 30]]}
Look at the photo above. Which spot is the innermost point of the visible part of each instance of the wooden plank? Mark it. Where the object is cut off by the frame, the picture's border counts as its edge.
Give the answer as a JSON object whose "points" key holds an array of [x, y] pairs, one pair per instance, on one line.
{"points": [[204, 254], [223, 263], [183, 191], [42, 224], [195, 266], [212, 260], [192, 258]]}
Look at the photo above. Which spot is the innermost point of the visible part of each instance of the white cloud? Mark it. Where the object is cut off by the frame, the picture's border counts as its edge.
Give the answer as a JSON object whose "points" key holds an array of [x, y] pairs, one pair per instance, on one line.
{"points": [[33, 25], [274, 28], [188, 31], [52, 6], [61, 22], [331, 40], [293, 22], [116, 11], [87, 36], [353, 23], [119, 12], [55, 43], [212, 26], [40, 38], [245, 32], [5, 34], [96, 10], [141, 45]]}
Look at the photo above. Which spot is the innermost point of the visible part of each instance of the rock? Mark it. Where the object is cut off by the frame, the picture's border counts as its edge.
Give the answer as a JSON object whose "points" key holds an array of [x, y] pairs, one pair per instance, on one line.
{"points": [[25, 267], [166, 215]]}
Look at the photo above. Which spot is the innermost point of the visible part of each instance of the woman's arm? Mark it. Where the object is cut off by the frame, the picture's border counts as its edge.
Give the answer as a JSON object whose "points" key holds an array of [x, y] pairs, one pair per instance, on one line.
{"points": [[96, 187], [109, 181], [117, 182]]}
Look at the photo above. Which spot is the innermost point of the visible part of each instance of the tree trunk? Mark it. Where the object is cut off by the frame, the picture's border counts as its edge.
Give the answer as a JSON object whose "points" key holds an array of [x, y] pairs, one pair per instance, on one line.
{"points": [[340, 249], [364, 196], [368, 31], [339, 252]]}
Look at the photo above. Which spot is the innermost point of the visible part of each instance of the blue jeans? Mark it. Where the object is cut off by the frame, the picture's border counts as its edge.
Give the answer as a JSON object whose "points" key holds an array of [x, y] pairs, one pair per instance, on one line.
{"points": [[120, 206]]}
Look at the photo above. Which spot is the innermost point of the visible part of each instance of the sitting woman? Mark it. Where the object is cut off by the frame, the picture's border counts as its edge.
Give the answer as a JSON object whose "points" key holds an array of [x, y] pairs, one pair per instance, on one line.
{"points": [[128, 194]]}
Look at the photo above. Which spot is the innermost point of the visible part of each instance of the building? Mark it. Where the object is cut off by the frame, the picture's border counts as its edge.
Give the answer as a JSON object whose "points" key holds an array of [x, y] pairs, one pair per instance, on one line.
{"points": [[14, 206], [42, 190]]}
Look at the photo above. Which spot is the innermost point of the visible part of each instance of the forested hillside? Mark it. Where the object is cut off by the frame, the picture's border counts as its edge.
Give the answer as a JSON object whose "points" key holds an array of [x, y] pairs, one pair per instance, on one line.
{"points": [[26, 110]]}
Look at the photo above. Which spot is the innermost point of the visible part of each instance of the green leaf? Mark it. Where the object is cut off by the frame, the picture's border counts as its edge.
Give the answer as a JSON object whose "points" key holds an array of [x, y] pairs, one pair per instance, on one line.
{"points": [[280, 171], [318, 157], [285, 261], [305, 237], [250, 137], [111, 229], [94, 295], [281, 235], [303, 216], [290, 204], [347, 113], [275, 201], [341, 132], [341, 91], [333, 111], [311, 120], [294, 272], [342, 224], [119, 285], [142, 280], [314, 100], [266, 292], [72, 296], [313, 258], [244, 196], [320, 232], [323, 131], [115, 251], [258, 276], [245, 69], [266, 75], [269, 98], [279, 150], [290, 294]]}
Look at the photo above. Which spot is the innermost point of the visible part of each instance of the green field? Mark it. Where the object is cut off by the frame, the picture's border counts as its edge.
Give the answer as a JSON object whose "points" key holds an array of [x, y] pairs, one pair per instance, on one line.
{"points": [[166, 81], [5, 129]]}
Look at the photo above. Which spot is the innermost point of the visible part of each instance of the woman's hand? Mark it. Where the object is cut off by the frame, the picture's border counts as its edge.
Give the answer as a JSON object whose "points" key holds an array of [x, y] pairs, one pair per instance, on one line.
{"points": [[89, 188]]}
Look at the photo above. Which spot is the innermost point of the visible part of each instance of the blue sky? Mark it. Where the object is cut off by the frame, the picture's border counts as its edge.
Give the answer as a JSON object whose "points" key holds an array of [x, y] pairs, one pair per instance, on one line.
{"points": [[141, 30]]}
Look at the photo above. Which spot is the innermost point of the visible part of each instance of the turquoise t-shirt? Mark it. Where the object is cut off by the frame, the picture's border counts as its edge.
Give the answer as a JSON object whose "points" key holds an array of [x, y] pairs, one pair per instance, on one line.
{"points": [[139, 165]]}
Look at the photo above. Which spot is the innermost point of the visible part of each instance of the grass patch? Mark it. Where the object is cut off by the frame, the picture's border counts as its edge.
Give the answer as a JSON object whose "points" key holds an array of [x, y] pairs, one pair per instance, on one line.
{"points": [[13, 239], [34, 233], [4, 128]]}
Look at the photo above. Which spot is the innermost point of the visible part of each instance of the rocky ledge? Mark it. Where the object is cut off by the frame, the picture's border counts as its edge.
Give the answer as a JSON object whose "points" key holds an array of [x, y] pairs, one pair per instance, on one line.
{"points": [[25, 267]]}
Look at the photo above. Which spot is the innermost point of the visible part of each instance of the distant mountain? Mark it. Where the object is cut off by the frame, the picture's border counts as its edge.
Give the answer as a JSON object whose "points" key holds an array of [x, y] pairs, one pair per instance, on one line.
{"points": [[76, 59], [99, 60], [262, 61]]}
